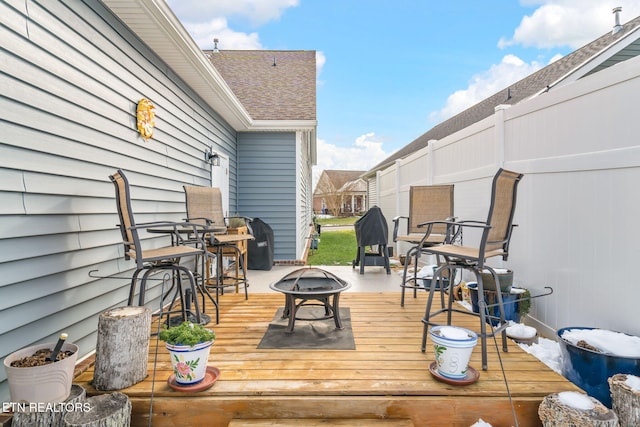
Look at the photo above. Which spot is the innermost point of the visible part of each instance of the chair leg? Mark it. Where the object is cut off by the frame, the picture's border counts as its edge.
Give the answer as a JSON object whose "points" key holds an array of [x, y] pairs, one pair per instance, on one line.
{"points": [[132, 288], [410, 253], [194, 292], [243, 268]]}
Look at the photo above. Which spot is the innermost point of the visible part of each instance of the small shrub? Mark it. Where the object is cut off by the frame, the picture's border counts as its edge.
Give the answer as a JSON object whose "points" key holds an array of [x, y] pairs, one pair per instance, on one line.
{"points": [[187, 334]]}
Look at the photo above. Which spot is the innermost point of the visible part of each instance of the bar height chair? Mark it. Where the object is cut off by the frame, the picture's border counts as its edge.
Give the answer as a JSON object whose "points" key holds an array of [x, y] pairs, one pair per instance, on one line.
{"points": [[426, 203], [149, 261], [204, 206], [494, 242]]}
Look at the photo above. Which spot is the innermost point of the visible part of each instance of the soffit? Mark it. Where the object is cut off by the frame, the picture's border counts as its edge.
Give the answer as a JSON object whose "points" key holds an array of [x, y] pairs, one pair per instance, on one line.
{"points": [[158, 27]]}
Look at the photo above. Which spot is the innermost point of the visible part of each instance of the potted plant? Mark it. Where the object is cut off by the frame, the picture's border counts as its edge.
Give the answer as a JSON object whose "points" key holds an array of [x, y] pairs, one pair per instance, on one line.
{"points": [[189, 345], [453, 346], [42, 372]]}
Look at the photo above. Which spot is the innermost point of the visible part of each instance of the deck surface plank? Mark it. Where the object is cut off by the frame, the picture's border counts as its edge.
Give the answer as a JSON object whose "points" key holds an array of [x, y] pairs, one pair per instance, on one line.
{"points": [[386, 376]]}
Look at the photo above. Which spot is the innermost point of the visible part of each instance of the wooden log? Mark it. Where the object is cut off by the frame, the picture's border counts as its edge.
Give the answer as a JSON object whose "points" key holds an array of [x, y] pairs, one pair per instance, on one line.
{"points": [[50, 414], [554, 411], [122, 349], [106, 410], [625, 399]]}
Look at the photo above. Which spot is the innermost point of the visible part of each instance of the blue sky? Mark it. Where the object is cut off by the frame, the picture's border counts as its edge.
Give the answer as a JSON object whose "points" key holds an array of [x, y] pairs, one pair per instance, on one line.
{"points": [[389, 70]]}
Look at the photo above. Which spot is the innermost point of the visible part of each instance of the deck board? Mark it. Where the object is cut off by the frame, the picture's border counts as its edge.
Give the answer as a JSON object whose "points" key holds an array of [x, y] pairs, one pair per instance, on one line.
{"points": [[386, 376]]}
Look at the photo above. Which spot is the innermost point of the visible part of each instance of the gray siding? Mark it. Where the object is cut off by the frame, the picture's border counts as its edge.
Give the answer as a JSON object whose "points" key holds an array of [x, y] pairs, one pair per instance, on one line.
{"points": [[70, 77], [267, 185], [305, 176]]}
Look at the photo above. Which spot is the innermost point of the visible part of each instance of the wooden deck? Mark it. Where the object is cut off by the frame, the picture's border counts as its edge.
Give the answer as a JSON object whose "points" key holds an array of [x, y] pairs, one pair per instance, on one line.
{"points": [[386, 377]]}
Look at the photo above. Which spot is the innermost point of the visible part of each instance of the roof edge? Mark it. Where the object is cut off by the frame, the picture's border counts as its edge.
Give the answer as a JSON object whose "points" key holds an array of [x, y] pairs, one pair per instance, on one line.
{"points": [[173, 44]]}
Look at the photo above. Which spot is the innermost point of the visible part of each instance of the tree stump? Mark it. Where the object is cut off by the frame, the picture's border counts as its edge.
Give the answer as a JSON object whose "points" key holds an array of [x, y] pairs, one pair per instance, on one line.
{"points": [[555, 412], [625, 400], [106, 410], [52, 414], [122, 349]]}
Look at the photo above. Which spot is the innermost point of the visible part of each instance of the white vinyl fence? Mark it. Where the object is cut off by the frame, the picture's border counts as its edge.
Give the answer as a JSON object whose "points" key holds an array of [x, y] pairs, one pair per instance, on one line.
{"points": [[578, 208]]}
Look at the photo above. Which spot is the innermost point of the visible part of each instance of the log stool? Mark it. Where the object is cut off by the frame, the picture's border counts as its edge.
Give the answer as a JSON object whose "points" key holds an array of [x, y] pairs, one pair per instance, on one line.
{"points": [[52, 418], [625, 399], [106, 410], [122, 350], [559, 409]]}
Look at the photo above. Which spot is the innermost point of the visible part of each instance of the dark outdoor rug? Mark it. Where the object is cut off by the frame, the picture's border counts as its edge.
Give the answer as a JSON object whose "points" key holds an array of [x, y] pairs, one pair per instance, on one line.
{"points": [[317, 334]]}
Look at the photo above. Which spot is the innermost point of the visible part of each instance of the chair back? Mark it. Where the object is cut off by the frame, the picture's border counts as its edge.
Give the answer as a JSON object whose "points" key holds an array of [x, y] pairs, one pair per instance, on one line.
{"points": [[204, 206], [502, 210], [125, 215], [430, 203]]}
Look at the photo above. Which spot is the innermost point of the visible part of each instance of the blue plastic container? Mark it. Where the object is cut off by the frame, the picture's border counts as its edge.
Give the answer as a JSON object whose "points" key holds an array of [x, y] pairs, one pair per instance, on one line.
{"points": [[590, 370], [508, 301]]}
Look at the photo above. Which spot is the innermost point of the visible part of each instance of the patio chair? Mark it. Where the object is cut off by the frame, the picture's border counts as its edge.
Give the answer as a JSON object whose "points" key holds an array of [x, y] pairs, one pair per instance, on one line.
{"points": [[204, 206], [494, 242], [426, 203], [150, 261]]}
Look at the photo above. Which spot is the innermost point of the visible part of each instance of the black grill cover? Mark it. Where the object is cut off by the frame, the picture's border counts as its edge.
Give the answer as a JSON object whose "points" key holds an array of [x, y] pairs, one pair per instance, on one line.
{"points": [[261, 248], [371, 228]]}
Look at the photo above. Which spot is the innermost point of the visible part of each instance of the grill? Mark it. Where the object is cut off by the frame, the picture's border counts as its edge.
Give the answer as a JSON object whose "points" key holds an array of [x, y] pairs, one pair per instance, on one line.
{"points": [[372, 231]]}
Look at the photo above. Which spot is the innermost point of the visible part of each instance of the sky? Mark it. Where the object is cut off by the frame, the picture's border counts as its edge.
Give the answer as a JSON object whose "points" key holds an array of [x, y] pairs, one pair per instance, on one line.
{"points": [[390, 70]]}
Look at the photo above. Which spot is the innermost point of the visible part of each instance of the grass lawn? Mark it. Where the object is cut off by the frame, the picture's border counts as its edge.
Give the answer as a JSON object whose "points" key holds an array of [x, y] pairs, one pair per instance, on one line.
{"points": [[337, 220], [335, 248]]}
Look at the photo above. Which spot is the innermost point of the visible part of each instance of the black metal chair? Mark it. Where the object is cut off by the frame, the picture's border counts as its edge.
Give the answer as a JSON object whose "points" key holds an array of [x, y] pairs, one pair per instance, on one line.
{"points": [[149, 261], [494, 242]]}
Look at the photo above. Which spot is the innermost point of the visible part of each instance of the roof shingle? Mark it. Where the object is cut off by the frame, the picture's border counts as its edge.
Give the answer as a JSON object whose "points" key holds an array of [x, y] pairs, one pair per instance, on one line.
{"points": [[272, 85]]}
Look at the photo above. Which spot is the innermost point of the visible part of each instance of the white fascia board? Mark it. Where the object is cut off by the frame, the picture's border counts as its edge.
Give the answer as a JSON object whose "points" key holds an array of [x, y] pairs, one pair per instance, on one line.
{"points": [[283, 125], [157, 26]]}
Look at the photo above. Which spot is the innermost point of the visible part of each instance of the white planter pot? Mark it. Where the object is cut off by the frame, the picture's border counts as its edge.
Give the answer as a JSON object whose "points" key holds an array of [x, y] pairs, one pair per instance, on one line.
{"points": [[41, 384], [453, 347], [189, 363]]}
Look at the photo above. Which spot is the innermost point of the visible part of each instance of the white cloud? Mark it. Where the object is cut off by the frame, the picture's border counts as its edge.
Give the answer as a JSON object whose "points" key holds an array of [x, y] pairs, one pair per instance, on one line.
{"points": [[204, 33], [363, 154], [571, 23], [510, 70], [206, 20], [555, 23], [255, 11]]}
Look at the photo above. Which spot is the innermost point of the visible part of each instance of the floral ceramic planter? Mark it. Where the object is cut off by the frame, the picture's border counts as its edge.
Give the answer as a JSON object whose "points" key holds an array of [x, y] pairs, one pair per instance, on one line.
{"points": [[189, 363]]}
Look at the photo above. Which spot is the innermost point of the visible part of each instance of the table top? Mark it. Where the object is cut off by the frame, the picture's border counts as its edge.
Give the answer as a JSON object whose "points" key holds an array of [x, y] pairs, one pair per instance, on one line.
{"points": [[310, 281], [168, 229]]}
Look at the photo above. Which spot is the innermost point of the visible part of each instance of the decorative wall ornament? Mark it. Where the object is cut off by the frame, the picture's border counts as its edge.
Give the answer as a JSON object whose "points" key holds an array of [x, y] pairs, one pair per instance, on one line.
{"points": [[145, 114]]}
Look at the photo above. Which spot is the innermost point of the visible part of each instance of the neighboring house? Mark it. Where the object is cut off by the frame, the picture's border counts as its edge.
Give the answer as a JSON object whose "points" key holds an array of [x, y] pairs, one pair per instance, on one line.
{"points": [[572, 129], [72, 76], [340, 192]]}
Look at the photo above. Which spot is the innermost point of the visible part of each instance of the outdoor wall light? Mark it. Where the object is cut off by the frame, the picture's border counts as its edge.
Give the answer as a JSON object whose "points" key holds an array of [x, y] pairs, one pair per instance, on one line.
{"points": [[212, 158]]}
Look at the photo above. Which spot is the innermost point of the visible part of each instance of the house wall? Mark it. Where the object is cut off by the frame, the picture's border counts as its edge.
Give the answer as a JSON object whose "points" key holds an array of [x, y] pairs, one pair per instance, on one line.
{"points": [[274, 200], [70, 78], [576, 212], [305, 204]]}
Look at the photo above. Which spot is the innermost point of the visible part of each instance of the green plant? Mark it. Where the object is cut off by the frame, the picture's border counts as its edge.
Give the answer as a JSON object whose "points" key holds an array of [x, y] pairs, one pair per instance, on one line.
{"points": [[236, 221], [187, 333], [524, 304]]}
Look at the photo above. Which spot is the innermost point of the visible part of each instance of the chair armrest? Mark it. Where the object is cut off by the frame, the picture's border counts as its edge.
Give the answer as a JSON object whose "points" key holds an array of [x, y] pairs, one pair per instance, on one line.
{"points": [[208, 221], [396, 225]]}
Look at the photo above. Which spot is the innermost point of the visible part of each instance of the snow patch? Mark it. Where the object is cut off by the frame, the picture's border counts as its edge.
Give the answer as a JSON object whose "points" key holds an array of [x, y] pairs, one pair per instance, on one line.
{"points": [[576, 400]]}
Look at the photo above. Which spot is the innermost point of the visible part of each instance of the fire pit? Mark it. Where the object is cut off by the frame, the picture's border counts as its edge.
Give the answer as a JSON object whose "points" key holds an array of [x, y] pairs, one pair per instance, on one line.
{"points": [[311, 286]]}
